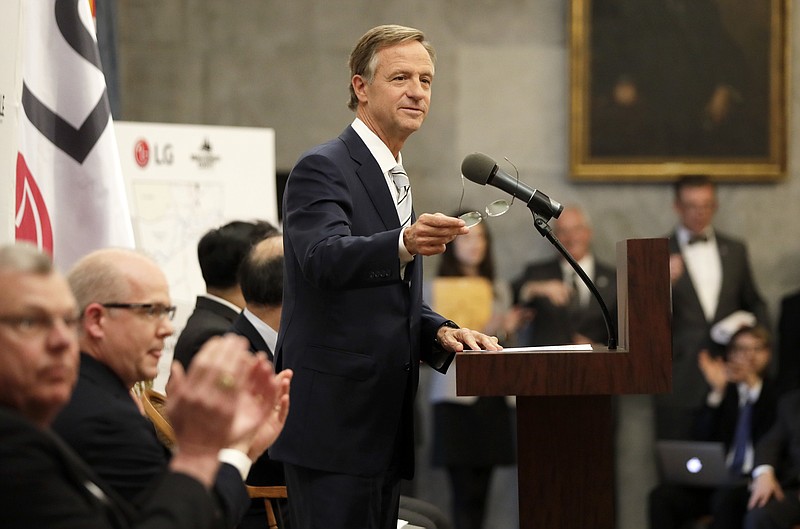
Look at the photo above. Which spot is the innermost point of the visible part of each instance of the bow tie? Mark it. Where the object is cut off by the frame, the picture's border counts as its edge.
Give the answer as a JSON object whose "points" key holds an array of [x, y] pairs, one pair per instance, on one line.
{"points": [[698, 238]]}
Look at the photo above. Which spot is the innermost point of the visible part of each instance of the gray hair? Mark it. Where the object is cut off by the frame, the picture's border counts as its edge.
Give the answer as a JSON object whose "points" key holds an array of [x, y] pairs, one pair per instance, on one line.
{"points": [[24, 257]]}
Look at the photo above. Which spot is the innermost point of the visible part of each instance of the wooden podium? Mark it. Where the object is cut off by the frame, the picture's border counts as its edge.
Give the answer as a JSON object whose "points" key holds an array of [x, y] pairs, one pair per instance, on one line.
{"points": [[565, 436]]}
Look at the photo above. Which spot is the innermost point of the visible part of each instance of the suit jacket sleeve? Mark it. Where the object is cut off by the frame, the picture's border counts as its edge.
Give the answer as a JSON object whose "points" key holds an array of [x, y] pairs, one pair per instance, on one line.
{"points": [[44, 484]]}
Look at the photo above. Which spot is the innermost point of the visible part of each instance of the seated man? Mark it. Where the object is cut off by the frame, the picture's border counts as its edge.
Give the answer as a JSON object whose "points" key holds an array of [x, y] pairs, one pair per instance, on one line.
{"points": [[43, 483], [219, 252], [775, 492], [737, 383], [126, 312]]}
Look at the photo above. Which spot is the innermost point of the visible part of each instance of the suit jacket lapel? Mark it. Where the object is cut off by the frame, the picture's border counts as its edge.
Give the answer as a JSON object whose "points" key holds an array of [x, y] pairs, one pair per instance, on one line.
{"points": [[369, 172]]}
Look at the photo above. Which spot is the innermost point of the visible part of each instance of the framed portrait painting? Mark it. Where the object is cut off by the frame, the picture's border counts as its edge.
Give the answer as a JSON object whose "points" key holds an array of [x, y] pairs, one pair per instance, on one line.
{"points": [[663, 88]]}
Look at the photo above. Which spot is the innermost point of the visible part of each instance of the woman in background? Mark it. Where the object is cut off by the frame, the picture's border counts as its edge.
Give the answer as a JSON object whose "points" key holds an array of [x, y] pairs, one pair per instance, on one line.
{"points": [[471, 435]]}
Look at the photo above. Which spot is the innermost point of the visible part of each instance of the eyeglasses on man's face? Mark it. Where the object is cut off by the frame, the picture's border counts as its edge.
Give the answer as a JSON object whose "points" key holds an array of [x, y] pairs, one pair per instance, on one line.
{"points": [[493, 209], [156, 311]]}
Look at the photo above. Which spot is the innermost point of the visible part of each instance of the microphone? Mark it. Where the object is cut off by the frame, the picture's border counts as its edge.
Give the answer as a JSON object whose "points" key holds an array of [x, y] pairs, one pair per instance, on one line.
{"points": [[483, 170]]}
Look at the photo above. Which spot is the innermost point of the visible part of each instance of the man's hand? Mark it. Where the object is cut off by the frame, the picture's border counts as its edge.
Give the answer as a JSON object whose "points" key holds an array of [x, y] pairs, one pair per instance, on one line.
{"points": [[430, 233], [202, 404], [454, 340], [714, 370], [262, 409], [553, 289], [763, 488], [676, 267]]}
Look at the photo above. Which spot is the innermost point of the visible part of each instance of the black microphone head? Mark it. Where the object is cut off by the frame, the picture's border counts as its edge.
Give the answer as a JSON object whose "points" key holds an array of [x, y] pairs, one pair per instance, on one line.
{"points": [[478, 168]]}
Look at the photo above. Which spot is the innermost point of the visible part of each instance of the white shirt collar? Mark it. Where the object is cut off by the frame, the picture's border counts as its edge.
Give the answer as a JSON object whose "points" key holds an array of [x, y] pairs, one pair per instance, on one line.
{"points": [[222, 301], [269, 334], [376, 147]]}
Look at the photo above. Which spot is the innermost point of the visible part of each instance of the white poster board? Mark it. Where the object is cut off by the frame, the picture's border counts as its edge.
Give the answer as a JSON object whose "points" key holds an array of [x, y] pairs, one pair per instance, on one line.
{"points": [[183, 180]]}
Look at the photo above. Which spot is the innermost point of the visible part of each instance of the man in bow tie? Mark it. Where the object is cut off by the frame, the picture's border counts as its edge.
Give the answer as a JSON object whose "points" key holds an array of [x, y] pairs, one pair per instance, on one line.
{"points": [[711, 279]]}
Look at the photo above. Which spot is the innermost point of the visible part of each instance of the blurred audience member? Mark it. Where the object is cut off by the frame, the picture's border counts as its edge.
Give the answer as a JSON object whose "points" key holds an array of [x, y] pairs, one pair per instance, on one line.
{"points": [[561, 307], [220, 252], [471, 435], [789, 343], [711, 281], [738, 411]]}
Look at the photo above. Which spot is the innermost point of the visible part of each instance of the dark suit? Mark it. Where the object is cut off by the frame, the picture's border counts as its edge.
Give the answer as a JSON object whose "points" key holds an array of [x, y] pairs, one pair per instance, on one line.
{"points": [[352, 329], [210, 318], [691, 332], [242, 326], [104, 426], [671, 506], [44, 484], [789, 343], [780, 448], [556, 325]]}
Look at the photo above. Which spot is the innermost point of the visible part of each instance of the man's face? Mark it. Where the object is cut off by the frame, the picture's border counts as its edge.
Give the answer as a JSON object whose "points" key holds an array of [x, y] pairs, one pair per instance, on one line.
{"points": [[133, 339], [574, 232], [397, 101], [38, 343], [748, 357], [695, 206]]}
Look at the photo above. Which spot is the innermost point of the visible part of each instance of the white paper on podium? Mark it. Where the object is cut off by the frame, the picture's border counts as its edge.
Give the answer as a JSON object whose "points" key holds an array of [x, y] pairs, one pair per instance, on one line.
{"points": [[547, 348]]}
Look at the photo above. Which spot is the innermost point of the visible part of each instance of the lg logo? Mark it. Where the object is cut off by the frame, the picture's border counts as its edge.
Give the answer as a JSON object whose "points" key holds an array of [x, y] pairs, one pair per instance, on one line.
{"points": [[162, 155]]}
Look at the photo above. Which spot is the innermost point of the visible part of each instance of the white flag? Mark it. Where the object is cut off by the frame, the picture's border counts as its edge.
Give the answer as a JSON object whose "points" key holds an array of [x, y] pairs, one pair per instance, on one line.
{"points": [[70, 193]]}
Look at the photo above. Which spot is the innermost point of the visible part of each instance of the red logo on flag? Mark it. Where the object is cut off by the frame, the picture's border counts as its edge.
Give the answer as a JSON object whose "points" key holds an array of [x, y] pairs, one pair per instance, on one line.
{"points": [[31, 220], [141, 152]]}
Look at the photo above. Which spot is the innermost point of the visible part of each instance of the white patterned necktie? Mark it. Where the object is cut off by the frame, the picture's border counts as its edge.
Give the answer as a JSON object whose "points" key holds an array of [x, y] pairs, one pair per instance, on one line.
{"points": [[403, 194]]}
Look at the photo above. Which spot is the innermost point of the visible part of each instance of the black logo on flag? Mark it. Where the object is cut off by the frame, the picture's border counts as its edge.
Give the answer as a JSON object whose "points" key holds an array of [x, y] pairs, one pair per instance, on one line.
{"points": [[76, 142]]}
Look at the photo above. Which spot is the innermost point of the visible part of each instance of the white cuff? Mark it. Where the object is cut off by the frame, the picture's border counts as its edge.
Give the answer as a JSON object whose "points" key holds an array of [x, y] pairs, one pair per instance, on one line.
{"points": [[237, 459], [761, 469], [402, 251]]}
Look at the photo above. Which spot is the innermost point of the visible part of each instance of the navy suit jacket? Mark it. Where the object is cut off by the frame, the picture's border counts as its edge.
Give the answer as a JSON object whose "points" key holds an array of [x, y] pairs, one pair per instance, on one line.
{"points": [[719, 423], [43, 483], [210, 318], [691, 332], [103, 425], [352, 329]]}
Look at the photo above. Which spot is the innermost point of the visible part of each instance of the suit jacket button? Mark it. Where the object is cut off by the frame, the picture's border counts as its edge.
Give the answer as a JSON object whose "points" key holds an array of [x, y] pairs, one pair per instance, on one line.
{"points": [[408, 366]]}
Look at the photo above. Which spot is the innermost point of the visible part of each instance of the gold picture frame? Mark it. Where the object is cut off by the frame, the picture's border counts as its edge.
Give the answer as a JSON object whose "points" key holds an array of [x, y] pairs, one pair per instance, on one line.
{"points": [[663, 88]]}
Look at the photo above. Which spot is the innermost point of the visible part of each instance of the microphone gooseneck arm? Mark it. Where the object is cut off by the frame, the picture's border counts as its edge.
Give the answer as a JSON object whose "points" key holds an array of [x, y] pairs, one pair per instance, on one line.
{"points": [[541, 225]]}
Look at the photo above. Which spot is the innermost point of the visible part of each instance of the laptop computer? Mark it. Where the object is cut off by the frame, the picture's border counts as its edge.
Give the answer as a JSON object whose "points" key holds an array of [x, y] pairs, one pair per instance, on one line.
{"points": [[695, 463]]}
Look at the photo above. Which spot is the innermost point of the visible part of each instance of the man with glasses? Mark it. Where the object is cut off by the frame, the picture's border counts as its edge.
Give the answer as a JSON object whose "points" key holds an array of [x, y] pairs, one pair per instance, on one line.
{"points": [[711, 280], [737, 411], [228, 394], [125, 317]]}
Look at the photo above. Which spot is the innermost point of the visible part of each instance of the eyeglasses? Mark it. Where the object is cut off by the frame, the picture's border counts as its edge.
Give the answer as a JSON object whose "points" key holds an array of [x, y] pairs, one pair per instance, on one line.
{"points": [[151, 310], [747, 349], [493, 209], [30, 326]]}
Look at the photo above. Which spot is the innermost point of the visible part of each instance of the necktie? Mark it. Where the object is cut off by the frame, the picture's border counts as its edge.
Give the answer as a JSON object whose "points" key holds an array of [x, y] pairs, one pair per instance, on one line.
{"points": [[741, 437], [403, 194]]}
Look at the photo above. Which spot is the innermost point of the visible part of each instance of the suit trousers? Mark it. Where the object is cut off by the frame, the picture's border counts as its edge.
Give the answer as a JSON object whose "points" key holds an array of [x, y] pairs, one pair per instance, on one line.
{"points": [[327, 500]]}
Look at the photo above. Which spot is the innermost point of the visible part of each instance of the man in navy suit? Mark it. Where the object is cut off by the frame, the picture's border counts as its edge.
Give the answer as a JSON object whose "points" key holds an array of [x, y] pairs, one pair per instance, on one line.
{"points": [[711, 279], [354, 326], [43, 482]]}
